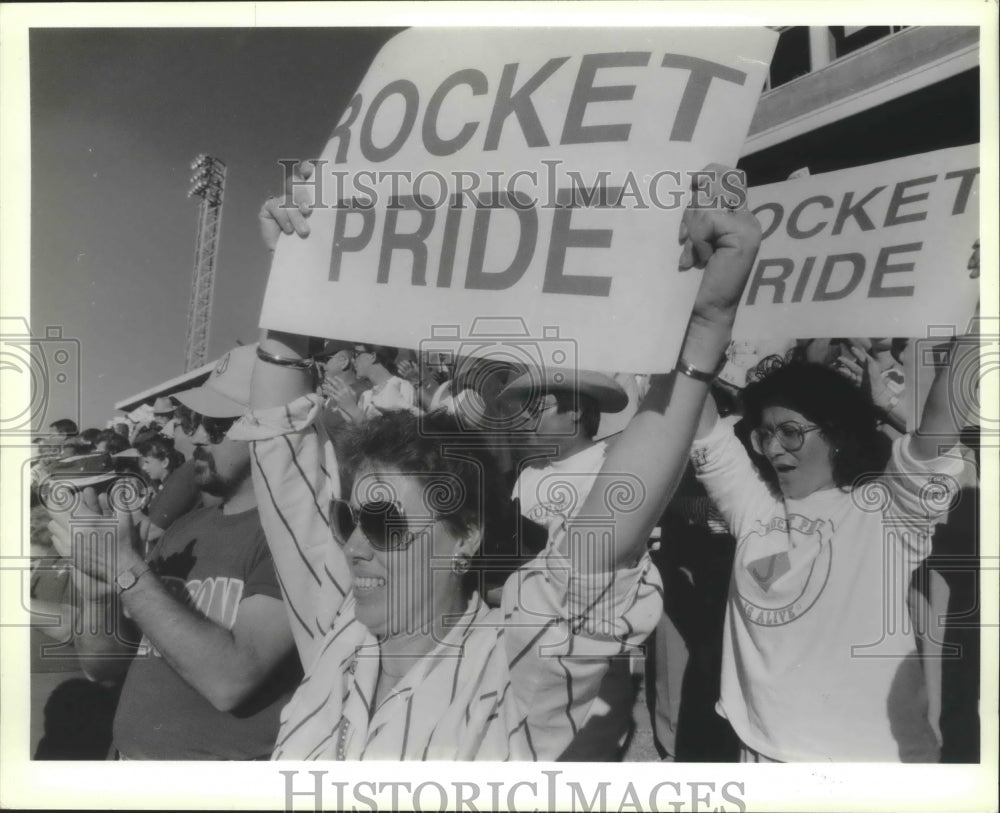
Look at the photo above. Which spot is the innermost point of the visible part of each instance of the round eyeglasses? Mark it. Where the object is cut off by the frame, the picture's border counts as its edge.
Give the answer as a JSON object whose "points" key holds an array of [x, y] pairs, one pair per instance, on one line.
{"points": [[790, 435]]}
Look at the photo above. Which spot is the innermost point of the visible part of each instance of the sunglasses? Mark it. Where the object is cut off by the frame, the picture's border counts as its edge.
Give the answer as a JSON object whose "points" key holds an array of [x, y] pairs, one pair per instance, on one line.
{"points": [[215, 428], [383, 524], [790, 435]]}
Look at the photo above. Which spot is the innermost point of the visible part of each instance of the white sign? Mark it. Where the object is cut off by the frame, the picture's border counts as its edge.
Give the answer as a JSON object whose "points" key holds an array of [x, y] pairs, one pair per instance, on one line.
{"points": [[532, 175], [879, 250]]}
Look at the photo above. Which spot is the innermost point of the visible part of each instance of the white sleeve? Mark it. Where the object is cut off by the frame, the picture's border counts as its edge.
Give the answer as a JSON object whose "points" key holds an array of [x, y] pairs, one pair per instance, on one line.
{"points": [[398, 393], [920, 493], [295, 476], [561, 628], [732, 481]]}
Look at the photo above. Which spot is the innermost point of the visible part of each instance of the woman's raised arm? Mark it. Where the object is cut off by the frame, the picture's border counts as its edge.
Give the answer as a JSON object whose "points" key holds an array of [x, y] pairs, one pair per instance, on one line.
{"points": [[654, 447], [947, 405]]}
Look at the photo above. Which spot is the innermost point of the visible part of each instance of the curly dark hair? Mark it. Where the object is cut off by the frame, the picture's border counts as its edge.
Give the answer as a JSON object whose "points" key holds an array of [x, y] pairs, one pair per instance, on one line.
{"points": [[161, 448], [463, 484], [846, 417]]}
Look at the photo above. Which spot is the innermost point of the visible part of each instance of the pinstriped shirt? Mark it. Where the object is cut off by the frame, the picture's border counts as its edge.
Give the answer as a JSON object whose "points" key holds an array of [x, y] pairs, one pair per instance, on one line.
{"points": [[508, 683]]}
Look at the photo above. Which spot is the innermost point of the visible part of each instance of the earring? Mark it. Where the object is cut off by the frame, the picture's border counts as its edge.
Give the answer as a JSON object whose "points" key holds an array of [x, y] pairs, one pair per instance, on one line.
{"points": [[460, 565]]}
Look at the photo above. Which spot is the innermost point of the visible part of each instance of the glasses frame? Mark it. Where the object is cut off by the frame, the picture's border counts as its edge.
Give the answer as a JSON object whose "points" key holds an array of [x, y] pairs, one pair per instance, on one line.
{"points": [[760, 437]]}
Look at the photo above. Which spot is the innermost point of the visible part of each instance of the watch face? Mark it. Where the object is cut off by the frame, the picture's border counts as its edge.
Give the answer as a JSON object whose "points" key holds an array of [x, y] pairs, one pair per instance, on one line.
{"points": [[125, 580]]}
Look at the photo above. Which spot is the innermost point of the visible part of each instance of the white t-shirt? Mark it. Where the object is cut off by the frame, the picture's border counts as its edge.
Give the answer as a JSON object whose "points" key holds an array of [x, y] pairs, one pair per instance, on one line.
{"points": [[467, 404], [557, 491], [819, 654], [394, 393]]}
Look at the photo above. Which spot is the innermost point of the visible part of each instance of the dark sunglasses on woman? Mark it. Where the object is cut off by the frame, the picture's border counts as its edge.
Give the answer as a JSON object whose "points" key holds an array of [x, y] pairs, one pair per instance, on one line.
{"points": [[382, 522]]}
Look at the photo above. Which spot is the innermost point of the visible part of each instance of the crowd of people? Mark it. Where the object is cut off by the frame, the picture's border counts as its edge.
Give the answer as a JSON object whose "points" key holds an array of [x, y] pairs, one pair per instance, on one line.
{"points": [[341, 550]]}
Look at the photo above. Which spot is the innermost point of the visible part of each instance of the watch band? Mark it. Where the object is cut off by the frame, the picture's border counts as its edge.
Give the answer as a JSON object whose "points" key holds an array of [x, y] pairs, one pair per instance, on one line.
{"points": [[691, 371]]}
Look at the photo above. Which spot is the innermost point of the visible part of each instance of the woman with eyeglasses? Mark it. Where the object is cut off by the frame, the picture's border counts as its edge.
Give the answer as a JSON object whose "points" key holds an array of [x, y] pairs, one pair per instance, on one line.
{"points": [[819, 659], [384, 579]]}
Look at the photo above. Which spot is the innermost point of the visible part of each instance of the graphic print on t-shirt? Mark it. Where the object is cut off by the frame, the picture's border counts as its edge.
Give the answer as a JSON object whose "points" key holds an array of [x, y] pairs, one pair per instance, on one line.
{"points": [[781, 568], [550, 495]]}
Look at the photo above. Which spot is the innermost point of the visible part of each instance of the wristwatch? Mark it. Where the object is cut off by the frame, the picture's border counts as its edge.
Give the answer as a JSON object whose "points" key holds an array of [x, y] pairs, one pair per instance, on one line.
{"points": [[128, 577]]}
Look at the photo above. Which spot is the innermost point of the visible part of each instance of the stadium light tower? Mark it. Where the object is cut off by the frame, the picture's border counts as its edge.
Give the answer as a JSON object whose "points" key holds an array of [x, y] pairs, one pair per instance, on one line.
{"points": [[207, 183]]}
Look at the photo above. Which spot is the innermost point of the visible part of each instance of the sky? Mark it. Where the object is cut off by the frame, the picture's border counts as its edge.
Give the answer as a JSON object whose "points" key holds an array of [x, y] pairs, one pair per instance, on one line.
{"points": [[117, 115]]}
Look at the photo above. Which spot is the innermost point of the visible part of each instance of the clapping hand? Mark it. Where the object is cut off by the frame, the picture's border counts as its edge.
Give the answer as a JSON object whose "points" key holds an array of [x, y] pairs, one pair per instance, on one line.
{"points": [[338, 392], [80, 536], [409, 370]]}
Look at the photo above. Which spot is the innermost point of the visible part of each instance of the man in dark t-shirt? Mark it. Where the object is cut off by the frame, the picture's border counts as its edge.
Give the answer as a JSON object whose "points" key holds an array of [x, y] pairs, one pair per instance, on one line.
{"points": [[200, 625], [214, 563]]}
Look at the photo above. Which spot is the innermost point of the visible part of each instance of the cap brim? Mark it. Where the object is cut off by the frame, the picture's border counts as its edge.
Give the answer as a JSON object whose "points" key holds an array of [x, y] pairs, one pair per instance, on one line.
{"points": [[81, 482], [607, 394], [210, 403]]}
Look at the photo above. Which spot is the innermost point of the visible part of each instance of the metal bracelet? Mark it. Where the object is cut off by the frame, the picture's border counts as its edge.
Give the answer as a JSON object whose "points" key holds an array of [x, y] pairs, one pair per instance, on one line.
{"points": [[690, 371], [280, 361]]}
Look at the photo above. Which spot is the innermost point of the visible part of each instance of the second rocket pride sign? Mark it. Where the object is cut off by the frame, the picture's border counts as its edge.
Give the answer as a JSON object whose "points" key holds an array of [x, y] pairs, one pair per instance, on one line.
{"points": [[540, 174], [877, 250]]}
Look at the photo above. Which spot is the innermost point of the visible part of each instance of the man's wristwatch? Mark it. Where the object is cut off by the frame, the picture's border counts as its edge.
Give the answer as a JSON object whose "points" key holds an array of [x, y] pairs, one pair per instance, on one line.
{"points": [[128, 577]]}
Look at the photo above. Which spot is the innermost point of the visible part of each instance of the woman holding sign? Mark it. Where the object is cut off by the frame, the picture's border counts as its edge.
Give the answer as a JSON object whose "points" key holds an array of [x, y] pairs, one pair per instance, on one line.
{"points": [[819, 657], [403, 658]]}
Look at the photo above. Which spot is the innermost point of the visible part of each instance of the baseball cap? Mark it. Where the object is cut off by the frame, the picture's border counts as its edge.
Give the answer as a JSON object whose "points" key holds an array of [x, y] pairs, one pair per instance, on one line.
{"points": [[606, 392], [226, 393], [83, 470], [163, 406]]}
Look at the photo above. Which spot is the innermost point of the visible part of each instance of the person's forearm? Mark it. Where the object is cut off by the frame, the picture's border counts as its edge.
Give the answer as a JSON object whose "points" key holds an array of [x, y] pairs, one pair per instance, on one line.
{"points": [[290, 480], [896, 417], [708, 419], [149, 533], [103, 638], [939, 425], [654, 447], [203, 653]]}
